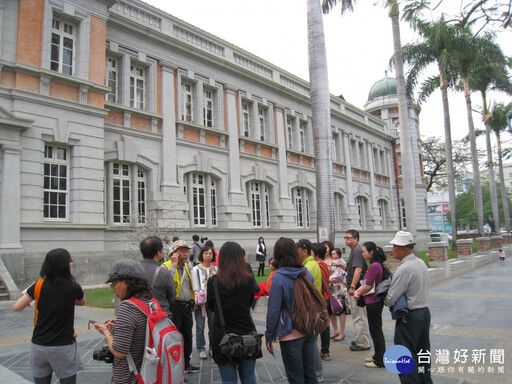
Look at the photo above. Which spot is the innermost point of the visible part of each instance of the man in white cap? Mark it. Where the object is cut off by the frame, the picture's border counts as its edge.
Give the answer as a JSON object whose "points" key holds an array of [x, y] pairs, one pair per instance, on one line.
{"points": [[411, 279]]}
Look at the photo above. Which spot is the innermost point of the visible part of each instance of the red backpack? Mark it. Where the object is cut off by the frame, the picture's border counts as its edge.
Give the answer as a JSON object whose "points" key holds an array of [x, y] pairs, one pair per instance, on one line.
{"points": [[310, 316], [163, 360]]}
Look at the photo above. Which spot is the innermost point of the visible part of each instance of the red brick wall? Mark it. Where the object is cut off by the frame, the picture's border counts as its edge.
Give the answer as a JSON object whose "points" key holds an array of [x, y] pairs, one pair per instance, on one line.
{"points": [[30, 32]]}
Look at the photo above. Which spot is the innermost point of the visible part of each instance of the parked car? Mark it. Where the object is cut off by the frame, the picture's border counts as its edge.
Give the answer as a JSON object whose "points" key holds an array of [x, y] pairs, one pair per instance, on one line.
{"points": [[440, 236]]}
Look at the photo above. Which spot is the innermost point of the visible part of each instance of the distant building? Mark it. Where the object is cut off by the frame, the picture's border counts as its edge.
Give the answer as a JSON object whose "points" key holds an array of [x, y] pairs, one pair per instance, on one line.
{"points": [[438, 208], [115, 114]]}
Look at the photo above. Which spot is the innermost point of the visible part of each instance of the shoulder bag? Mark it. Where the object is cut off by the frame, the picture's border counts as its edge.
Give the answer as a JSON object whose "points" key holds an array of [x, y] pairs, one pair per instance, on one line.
{"points": [[237, 347]]}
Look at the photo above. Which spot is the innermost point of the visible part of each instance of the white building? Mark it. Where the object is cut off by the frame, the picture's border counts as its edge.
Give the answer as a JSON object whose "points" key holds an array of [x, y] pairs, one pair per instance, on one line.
{"points": [[114, 114]]}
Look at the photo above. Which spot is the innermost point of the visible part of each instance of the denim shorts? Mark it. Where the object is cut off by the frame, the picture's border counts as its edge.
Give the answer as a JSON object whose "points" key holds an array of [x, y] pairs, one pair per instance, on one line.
{"points": [[64, 360]]}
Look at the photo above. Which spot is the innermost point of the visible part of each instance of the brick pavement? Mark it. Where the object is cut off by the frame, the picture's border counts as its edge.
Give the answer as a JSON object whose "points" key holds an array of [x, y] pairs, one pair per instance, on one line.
{"points": [[471, 311]]}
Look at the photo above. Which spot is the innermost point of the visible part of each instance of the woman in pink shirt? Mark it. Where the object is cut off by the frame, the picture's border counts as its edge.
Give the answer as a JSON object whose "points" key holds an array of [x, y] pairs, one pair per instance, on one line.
{"points": [[373, 277]]}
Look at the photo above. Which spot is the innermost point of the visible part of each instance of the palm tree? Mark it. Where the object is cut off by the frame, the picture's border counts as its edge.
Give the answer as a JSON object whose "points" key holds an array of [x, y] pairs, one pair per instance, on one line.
{"points": [[408, 176], [321, 109], [434, 49], [497, 122], [467, 51], [490, 73]]}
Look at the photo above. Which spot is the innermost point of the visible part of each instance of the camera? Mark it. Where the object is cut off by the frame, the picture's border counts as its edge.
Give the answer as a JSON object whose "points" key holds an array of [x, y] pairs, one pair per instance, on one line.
{"points": [[103, 354], [203, 239]]}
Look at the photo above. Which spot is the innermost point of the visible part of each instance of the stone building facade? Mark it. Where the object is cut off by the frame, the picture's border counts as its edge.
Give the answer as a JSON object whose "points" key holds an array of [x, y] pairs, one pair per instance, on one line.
{"points": [[115, 114]]}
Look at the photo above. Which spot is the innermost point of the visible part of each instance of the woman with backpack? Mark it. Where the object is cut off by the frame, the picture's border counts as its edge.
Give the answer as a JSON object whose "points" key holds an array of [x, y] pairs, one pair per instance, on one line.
{"points": [[200, 275], [236, 287], [54, 347], [374, 275], [297, 350], [126, 334]]}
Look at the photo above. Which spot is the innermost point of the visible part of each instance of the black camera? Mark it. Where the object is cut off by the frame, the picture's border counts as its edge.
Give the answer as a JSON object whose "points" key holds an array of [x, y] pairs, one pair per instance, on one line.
{"points": [[203, 239], [103, 354]]}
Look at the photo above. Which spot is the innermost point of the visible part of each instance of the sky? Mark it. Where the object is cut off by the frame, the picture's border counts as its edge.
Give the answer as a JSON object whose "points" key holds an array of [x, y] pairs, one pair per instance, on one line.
{"points": [[359, 45]]}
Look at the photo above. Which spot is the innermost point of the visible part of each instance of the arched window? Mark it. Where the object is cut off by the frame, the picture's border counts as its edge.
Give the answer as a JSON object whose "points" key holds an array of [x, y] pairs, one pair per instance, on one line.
{"points": [[383, 213], [201, 191], [301, 202], [361, 211], [127, 193], [259, 201]]}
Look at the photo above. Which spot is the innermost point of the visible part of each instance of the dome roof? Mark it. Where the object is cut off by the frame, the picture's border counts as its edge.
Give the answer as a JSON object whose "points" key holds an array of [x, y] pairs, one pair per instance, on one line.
{"points": [[383, 87]]}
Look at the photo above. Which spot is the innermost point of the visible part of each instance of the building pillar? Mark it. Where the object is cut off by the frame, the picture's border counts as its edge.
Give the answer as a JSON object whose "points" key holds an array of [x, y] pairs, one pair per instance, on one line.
{"points": [[348, 162], [169, 177], [10, 199]]}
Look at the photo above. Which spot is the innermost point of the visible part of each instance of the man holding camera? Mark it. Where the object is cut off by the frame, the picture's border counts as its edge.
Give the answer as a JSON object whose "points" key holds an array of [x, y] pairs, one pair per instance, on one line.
{"points": [[182, 306]]}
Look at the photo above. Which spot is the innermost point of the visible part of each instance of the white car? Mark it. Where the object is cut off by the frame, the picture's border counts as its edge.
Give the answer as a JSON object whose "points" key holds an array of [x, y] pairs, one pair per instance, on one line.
{"points": [[440, 236]]}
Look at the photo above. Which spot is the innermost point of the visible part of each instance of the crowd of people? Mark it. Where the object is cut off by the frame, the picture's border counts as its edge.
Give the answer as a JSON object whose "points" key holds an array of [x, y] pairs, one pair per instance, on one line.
{"points": [[194, 282]]}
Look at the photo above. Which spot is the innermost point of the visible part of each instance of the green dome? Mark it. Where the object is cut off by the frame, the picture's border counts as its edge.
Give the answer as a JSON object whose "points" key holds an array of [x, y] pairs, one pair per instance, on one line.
{"points": [[384, 87]]}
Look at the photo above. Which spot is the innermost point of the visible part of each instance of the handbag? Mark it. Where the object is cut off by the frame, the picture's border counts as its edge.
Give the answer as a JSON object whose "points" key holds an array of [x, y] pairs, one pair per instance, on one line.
{"points": [[336, 304], [233, 346]]}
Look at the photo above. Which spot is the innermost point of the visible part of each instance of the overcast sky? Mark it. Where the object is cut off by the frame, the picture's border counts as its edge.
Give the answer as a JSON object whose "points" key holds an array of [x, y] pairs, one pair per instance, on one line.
{"points": [[359, 46]]}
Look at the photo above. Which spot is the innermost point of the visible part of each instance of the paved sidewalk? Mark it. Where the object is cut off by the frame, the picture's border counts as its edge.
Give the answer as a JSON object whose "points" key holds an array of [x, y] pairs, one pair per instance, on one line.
{"points": [[472, 311]]}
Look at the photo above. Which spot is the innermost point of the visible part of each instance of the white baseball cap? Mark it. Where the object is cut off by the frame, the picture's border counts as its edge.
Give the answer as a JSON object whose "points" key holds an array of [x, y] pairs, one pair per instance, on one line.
{"points": [[403, 239]]}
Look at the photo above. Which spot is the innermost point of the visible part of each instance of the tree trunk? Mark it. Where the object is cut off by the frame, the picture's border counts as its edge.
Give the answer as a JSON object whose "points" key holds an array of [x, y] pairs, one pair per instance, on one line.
{"points": [[492, 177], [321, 109], [503, 189], [408, 176], [474, 159], [449, 155]]}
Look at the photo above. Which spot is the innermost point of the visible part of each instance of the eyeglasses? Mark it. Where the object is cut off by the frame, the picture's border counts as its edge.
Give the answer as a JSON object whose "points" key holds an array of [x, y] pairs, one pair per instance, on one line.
{"points": [[348, 237]]}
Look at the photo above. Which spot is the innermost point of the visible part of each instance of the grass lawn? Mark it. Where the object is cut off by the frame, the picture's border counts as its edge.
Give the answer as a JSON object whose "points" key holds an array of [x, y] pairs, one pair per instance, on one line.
{"points": [[100, 298]]}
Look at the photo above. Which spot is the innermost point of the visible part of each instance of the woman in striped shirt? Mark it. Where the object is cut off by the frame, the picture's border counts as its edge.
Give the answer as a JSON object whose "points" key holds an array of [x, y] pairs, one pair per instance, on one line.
{"points": [[126, 334]]}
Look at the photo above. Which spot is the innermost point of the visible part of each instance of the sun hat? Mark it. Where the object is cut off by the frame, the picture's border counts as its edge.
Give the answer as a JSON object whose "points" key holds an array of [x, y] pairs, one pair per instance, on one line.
{"points": [[124, 269], [180, 244], [403, 239]]}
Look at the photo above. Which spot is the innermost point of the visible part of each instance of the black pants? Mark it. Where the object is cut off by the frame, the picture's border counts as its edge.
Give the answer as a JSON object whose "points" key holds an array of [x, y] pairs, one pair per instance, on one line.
{"points": [[325, 339], [261, 269], [415, 336], [182, 318], [374, 312]]}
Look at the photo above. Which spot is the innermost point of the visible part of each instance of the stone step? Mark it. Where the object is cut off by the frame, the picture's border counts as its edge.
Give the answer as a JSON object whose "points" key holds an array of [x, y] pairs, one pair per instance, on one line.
{"points": [[5, 296]]}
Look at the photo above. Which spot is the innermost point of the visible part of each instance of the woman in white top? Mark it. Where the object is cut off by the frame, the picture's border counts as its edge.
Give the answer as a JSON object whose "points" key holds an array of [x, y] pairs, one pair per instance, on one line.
{"points": [[261, 255], [200, 275]]}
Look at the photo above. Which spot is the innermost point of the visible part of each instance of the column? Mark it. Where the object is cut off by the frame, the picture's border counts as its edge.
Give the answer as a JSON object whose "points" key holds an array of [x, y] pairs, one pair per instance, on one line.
{"points": [[10, 204], [280, 134], [234, 151], [348, 159], [169, 177]]}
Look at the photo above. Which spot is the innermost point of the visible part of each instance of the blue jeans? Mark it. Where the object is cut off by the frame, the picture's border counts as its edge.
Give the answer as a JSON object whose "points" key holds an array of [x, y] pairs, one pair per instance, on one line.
{"points": [[200, 339], [298, 359], [228, 372]]}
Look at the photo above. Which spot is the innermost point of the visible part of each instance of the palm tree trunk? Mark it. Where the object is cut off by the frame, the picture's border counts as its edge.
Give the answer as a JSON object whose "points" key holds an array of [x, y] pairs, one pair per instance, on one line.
{"points": [[492, 178], [321, 109], [503, 190], [449, 154], [408, 177], [474, 159]]}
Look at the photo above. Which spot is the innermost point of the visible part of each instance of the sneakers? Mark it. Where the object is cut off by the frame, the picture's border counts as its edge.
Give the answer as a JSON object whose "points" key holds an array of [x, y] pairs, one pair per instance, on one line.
{"points": [[203, 355], [325, 356], [191, 368], [353, 342], [357, 348], [372, 365], [321, 379]]}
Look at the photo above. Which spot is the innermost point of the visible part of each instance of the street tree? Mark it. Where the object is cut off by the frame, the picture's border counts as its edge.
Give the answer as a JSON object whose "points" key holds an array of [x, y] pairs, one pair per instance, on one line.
{"points": [[435, 164], [497, 121], [434, 48], [490, 73]]}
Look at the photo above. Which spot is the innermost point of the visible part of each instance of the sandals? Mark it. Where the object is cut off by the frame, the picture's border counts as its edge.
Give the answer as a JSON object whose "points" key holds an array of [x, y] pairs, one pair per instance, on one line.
{"points": [[334, 335], [339, 337]]}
